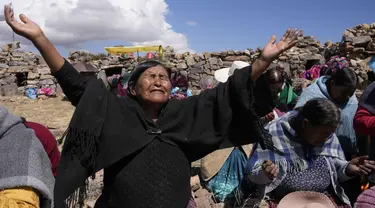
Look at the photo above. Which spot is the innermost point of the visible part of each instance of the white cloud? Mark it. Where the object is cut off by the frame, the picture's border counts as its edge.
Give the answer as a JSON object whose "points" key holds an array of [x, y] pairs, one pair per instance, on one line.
{"points": [[72, 22], [191, 23]]}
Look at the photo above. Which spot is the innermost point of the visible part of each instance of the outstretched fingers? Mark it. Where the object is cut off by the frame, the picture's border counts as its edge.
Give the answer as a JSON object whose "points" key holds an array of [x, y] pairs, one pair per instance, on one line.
{"points": [[292, 39], [272, 40], [9, 18], [293, 35], [24, 19], [286, 34], [9, 15]]}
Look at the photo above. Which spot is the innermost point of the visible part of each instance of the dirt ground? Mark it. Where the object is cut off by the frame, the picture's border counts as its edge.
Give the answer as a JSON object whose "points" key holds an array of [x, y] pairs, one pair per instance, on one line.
{"points": [[52, 112]]}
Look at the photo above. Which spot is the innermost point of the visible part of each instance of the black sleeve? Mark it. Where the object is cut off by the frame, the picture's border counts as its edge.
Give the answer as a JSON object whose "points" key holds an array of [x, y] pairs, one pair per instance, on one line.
{"points": [[71, 82], [222, 117]]}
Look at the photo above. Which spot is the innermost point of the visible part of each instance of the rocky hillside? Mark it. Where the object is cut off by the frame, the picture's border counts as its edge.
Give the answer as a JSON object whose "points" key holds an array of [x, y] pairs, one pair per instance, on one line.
{"points": [[21, 70]]}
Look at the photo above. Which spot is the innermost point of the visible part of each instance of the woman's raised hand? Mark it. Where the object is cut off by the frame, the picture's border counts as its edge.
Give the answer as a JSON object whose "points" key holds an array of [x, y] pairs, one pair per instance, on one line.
{"points": [[27, 28], [272, 50]]}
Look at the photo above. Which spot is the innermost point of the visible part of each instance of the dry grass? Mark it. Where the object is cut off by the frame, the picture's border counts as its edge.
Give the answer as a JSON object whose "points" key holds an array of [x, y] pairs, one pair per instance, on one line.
{"points": [[53, 112]]}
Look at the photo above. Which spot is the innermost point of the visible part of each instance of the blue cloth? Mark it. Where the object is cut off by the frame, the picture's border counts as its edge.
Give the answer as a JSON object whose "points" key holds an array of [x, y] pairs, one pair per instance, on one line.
{"points": [[31, 93], [229, 175], [345, 131], [371, 63], [189, 93]]}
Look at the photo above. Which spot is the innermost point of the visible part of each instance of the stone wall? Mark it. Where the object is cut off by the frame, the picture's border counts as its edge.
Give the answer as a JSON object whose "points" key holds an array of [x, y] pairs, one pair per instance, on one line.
{"points": [[308, 50], [21, 70], [197, 66]]}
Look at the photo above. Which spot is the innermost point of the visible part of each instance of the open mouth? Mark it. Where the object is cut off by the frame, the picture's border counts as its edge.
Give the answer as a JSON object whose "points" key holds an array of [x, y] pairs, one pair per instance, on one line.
{"points": [[157, 91]]}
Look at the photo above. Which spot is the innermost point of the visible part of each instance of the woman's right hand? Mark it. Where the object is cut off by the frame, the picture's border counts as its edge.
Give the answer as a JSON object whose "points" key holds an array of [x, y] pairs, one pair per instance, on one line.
{"points": [[268, 118], [27, 29], [270, 169]]}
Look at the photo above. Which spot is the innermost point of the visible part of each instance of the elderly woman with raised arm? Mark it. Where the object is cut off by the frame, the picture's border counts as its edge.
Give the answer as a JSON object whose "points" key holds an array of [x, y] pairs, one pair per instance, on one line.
{"points": [[145, 141]]}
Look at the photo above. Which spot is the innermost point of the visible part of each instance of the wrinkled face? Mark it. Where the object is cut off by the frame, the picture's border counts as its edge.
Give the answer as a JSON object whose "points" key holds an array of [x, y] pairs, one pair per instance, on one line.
{"points": [[317, 135], [153, 86], [340, 94]]}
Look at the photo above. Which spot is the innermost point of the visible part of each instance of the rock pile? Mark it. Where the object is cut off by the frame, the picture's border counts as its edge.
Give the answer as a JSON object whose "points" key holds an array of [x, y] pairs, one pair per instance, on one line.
{"points": [[22, 70], [358, 46]]}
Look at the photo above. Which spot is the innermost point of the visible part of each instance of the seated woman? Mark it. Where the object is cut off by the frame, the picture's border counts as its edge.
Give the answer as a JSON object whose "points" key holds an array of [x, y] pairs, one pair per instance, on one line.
{"points": [[312, 157], [48, 141], [364, 123], [26, 179], [223, 169], [339, 88], [364, 120]]}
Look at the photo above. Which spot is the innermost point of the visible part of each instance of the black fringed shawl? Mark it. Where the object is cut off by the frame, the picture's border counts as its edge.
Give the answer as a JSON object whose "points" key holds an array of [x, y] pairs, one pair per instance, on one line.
{"points": [[105, 129]]}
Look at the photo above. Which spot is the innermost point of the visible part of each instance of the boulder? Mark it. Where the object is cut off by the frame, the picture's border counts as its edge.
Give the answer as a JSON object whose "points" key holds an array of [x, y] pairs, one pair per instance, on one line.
{"points": [[361, 41], [32, 75]]}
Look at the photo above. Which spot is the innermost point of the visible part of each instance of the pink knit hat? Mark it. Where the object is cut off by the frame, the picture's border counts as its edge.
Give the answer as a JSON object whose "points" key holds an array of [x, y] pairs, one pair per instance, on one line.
{"points": [[366, 199], [305, 199]]}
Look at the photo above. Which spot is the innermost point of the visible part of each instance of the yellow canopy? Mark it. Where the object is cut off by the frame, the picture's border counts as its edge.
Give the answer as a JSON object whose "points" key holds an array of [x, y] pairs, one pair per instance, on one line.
{"points": [[121, 50]]}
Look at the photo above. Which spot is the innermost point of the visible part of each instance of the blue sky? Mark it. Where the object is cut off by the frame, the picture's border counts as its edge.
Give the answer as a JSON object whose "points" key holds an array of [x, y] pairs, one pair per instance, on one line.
{"points": [[241, 24]]}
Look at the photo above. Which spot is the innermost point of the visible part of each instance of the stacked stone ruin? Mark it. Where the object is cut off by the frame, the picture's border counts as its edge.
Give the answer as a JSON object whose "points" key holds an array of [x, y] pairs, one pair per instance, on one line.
{"points": [[22, 70], [14, 64]]}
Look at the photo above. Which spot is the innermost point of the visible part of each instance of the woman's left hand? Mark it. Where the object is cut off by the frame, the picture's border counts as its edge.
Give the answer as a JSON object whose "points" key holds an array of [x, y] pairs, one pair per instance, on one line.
{"points": [[360, 166], [271, 51]]}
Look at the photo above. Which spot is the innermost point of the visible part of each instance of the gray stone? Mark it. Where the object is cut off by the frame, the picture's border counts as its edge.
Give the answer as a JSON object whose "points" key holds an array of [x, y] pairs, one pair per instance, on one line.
{"points": [[194, 76], [19, 69], [230, 53], [32, 82], [307, 57], [17, 63], [195, 70], [8, 80], [213, 61], [293, 67], [371, 46], [361, 41], [3, 66], [353, 63], [184, 73], [227, 64], [181, 66], [44, 70], [105, 63], [32, 75], [199, 64], [46, 82], [21, 90], [238, 53], [359, 50], [46, 76], [190, 61]]}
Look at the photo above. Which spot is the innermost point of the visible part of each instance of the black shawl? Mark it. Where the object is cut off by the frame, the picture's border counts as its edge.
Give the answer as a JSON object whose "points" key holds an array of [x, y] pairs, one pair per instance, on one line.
{"points": [[265, 102], [105, 128]]}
